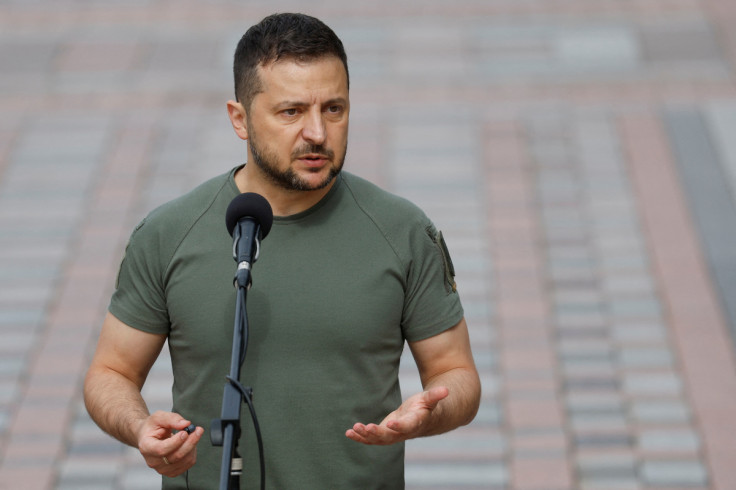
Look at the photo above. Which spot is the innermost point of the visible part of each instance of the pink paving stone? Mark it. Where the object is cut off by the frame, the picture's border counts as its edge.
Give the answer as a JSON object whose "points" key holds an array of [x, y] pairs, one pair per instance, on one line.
{"points": [[533, 413], [57, 391], [523, 334], [77, 317], [536, 442], [526, 384], [33, 419], [33, 449], [38, 477], [522, 309], [69, 362], [541, 474], [539, 357]]}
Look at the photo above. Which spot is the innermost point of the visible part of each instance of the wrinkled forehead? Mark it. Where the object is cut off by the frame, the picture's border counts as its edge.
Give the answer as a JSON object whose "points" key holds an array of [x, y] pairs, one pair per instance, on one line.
{"points": [[324, 75]]}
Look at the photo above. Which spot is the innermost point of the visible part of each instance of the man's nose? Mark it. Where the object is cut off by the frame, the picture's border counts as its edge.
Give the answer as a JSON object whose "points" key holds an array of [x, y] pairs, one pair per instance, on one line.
{"points": [[314, 128]]}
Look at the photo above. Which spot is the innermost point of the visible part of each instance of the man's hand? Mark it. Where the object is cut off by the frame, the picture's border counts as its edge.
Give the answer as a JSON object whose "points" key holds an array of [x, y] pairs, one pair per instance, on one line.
{"points": [[406, 422], [168, 453]]}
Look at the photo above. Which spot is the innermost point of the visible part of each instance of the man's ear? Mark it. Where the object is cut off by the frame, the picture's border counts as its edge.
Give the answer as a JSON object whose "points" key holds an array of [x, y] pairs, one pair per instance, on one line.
{"points": [[238, 118]]}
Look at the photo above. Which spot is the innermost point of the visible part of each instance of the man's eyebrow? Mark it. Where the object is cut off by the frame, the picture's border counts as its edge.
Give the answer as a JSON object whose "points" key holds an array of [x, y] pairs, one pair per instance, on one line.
{"points": [[289, 103], [298, 103], [337, 100]]}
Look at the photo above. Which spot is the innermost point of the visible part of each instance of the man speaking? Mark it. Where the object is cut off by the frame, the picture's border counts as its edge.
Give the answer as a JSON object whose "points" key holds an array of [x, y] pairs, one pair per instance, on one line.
{"points": [[347, 274]]}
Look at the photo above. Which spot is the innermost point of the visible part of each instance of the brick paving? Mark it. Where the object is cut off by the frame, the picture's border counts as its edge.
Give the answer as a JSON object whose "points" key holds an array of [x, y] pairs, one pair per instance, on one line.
{"points": [[578, 156]]}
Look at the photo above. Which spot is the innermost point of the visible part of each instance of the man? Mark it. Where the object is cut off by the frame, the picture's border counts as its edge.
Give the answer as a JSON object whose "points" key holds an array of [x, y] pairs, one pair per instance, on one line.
{"points": [[347, 274]]}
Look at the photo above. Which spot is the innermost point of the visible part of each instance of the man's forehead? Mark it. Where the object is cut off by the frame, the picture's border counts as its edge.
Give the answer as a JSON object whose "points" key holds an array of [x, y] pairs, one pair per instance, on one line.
{"points": [[293, 75], [284, 67]]}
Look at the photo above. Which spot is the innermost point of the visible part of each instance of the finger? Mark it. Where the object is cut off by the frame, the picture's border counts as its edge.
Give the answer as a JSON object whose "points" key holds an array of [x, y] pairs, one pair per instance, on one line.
{"points": [[377, 434], [351, 434], [189, 445], [156, 448], [169, 420], [404, 425], [182, 459], [360, 433]]}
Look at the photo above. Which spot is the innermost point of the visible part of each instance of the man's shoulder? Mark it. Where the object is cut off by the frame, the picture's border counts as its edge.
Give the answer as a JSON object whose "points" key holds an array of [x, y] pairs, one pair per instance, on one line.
{"points": [[173, 219], [381, 204], [192, 204], [404, 226]]}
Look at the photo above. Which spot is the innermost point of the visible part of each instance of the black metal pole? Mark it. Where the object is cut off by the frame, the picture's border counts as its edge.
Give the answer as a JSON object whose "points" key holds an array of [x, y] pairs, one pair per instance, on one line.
{"points": [[226, 431]]}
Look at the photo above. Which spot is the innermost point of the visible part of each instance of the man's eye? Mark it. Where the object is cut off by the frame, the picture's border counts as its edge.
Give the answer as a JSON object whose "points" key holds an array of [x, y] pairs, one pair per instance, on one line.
{"points": [[334, 109], [289, 112]]}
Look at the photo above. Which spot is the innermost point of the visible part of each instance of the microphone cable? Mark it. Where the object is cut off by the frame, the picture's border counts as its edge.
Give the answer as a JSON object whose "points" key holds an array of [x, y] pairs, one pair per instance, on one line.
{"points": [[244, 393]]}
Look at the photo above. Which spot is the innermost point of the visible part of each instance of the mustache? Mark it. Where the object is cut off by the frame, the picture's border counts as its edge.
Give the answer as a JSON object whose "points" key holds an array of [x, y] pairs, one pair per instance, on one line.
{"points": [[313, 149]]}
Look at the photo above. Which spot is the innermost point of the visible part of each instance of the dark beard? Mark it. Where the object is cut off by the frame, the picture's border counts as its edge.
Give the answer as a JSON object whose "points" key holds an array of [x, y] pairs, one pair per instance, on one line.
{"points": [[288, 179]]}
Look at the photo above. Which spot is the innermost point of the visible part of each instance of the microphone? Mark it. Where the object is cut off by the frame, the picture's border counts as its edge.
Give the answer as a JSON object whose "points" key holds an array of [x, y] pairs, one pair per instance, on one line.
{"points": [[248, 219]]}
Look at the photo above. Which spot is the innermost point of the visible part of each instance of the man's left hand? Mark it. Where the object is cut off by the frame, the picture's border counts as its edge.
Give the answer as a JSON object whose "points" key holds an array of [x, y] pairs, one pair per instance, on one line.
{"points": [[406, 422]]}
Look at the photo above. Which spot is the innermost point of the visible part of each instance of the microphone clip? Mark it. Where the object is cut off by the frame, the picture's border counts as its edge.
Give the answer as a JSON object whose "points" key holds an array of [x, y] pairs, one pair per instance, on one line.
{"points": [[242, 276]]}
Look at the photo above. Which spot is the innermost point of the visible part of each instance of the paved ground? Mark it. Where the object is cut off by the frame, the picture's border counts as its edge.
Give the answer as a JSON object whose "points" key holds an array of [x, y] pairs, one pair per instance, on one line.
{"points": [[579, 156]]}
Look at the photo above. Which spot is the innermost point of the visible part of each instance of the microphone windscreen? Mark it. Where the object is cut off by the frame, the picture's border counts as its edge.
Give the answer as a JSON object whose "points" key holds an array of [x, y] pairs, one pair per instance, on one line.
{"points": [[249, 205]]}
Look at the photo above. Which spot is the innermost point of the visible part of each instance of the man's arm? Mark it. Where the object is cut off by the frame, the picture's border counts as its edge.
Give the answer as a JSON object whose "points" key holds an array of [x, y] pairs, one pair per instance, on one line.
{"points": [[112, 394], [450, 398]]}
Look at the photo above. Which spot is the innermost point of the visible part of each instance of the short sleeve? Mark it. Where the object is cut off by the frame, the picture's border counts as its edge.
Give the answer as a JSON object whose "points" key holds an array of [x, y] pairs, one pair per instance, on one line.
{"points": [[432, 304], [139, 298]]}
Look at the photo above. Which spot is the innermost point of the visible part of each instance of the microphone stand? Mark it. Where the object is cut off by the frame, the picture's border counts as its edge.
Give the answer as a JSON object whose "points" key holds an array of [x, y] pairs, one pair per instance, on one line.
{"points": [[226, 431]]}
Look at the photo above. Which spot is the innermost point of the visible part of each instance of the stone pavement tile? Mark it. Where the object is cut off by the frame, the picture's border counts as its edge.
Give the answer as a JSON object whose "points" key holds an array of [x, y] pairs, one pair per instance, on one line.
{"points": [[681, 41], [663, 411], [89, 469], [138, 479], [645, 357], [682, 440], [541, 473], [26, 56], [652, 384], [39, 477], [720, 117], [533, 413], [614, 438], [531, 442], [706, 184], [482, 443], [629, 283], [608, 469], [674, 473], [484, 474], [582, 421]]}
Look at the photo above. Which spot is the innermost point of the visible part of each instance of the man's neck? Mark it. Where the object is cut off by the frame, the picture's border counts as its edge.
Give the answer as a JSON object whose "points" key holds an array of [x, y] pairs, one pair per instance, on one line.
{"points": [[284, 202]]}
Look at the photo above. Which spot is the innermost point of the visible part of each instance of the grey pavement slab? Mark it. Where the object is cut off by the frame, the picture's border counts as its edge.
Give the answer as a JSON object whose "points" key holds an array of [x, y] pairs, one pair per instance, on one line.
{"points": [[705, 179]]}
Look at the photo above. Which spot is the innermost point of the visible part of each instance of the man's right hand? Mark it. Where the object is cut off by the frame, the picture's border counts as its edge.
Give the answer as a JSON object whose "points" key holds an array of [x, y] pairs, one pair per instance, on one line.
{"points": [[169, 453]]}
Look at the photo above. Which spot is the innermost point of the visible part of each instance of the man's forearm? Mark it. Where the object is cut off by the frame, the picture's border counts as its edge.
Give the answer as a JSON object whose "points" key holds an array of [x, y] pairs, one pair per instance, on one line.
{"points": [[461, 404], [115, 404]]}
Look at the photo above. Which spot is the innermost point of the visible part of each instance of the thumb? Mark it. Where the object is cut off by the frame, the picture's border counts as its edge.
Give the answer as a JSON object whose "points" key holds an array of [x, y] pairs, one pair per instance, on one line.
{"points": [[169, 420], [433, 396]]}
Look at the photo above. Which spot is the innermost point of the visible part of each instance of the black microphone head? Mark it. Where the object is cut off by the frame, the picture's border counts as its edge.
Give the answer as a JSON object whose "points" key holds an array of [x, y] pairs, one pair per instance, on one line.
{"points": [[249, 205]]}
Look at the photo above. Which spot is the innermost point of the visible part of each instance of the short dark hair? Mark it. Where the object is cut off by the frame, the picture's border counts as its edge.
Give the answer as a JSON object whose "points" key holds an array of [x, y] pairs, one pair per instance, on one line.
{"points": [[281, 36]]}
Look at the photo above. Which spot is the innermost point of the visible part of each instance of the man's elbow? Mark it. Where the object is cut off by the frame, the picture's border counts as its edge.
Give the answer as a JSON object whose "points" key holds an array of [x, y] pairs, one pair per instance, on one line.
{"points": [[473, 397]]}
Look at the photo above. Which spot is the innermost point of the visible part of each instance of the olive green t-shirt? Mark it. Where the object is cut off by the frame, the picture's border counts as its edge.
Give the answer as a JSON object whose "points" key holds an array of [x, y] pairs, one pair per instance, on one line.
{"points": [[336, 291]]}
